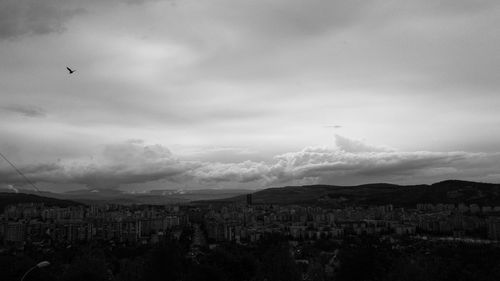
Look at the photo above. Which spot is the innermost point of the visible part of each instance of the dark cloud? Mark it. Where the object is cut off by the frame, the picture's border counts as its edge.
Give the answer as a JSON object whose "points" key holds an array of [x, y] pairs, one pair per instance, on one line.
{"points": [[26, 110], [34, 172], [119, 164], [131, 162], [32, 17]]}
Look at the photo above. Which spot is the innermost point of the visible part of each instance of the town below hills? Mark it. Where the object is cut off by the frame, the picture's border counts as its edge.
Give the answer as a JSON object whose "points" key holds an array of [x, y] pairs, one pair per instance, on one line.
{"points": [[447, 192], [449, 231]]}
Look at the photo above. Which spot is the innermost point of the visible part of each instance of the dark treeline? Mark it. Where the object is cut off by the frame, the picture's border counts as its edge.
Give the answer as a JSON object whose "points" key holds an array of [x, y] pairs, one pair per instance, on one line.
{"points": [[7, 199], [360, 258]]}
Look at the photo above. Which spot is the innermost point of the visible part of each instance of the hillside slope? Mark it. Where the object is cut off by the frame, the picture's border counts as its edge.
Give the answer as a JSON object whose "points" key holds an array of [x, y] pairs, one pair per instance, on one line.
{"points": [[8, 198], [451, 191]]}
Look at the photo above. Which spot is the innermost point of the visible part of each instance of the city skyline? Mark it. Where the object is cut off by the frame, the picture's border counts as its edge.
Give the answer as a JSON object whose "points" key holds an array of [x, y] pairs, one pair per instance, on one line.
{"points": [[237, 94]]}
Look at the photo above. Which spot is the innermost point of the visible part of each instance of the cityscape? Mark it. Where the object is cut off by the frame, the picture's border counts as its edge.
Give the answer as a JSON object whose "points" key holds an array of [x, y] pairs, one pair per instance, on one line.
{"points": [[262, 140], [244, 223], [315, 240]]}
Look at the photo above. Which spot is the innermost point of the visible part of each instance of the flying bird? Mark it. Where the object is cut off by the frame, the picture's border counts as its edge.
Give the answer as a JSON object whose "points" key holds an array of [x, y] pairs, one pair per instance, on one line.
{"points": [[70, 70]]}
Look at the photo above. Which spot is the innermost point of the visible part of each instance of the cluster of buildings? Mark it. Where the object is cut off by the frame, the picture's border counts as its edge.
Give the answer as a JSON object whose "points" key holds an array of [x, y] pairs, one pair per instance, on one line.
{"points": [[248, 223], [35, 222], [242, 223]]}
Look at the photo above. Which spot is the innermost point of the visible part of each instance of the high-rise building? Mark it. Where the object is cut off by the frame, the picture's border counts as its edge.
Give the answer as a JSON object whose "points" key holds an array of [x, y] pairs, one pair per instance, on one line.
{"points": [[249, 199], [15, 232], [494, 229]]}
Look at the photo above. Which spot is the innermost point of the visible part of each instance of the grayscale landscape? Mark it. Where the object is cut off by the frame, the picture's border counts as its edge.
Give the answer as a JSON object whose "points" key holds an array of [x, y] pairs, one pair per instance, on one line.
{"points": [[252, 140]]}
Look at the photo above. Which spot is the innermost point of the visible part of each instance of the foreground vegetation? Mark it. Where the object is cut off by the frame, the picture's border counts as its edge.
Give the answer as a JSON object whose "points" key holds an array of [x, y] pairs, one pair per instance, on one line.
{"points": [[360, 258]]}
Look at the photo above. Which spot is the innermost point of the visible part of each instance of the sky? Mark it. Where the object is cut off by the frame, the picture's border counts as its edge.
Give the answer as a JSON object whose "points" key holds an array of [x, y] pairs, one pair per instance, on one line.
{"points": [[171, 94]]}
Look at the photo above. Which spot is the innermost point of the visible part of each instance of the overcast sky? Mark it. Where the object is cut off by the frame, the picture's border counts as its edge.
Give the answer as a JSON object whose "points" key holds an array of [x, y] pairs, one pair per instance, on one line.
{"points": [[230, 93]]}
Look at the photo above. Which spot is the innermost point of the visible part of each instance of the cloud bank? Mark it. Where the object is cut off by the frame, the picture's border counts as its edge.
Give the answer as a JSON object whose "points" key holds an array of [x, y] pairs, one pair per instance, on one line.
{"points": [[348, 162]]}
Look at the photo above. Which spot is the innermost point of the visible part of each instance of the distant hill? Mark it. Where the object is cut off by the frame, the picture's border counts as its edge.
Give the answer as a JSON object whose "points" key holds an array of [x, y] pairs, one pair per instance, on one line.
{"points": [[154, 197], [450, 191], [7, 198]]}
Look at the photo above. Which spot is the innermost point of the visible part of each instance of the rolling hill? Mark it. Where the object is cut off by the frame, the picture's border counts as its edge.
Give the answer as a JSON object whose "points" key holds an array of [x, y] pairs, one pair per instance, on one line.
{"points": [[153, 197], [7, 198], [450, 191]]}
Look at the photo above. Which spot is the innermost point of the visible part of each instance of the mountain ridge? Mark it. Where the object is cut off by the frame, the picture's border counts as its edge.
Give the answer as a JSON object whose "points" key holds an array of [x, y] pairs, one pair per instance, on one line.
{"points": [[447, 191], [12, 198], [153, 197]]}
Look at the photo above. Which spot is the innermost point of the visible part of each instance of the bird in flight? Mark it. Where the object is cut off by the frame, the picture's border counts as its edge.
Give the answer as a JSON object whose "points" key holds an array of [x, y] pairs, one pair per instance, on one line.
{"points": [[70, 70]]}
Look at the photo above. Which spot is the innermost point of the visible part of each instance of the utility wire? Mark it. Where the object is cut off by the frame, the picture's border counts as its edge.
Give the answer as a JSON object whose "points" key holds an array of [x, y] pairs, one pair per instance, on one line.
{"points": [[19, 172]]}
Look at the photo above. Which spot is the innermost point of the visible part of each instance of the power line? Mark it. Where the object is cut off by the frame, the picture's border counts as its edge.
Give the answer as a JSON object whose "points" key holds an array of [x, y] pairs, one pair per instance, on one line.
{"points": [[19, 172]]}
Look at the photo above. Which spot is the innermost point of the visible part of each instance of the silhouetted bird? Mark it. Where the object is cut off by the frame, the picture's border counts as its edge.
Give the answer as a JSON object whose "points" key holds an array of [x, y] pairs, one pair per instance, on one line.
{"points": [[70, 70]]}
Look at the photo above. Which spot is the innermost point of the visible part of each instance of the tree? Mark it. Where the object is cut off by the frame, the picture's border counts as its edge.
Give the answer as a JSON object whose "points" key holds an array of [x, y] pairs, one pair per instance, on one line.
{"points": [[87, 268], [278, 265]]}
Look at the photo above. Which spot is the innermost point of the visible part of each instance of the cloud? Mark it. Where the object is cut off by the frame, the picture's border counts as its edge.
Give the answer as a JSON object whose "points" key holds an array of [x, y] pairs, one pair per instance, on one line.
{"points": [[134, 162], [332, 165], [26, 110], [353, 162], [256, 75], [210, 74], [118, 164], [34, 172], [126, 163], [32, 17], [244, 172], [11, 187], [350, 145]]}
